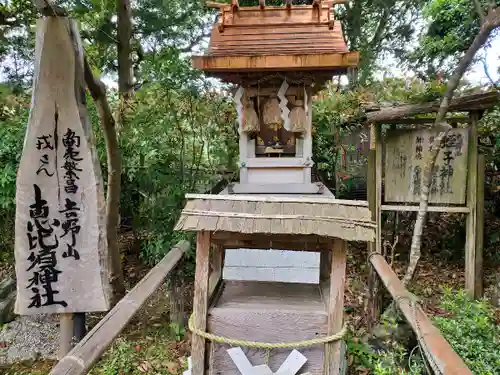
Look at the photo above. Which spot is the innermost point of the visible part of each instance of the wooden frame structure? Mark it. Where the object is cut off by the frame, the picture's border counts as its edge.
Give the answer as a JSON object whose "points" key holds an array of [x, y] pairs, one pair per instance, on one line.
{"points": [[87, 352], [474, 105], [306, 223]]}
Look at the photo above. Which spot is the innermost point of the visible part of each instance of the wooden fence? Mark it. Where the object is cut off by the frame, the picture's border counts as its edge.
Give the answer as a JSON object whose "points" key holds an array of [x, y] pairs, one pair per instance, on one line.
{"points": [[437, 350], [86, 353]]}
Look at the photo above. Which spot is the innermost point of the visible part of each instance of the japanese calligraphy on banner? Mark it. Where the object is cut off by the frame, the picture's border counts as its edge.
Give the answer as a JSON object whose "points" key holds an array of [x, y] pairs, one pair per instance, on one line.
{"points": [[404, 166], [60, 238]]}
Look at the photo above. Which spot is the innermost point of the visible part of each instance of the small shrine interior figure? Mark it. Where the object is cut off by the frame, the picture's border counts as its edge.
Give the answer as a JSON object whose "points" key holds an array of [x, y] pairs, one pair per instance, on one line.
{"points": [[264, 123]]}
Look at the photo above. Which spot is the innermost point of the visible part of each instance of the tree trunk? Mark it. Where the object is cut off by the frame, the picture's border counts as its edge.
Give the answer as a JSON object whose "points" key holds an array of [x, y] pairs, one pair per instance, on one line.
{"points": [[98, 92], [124, 33], [496, 290], [491, 22]]}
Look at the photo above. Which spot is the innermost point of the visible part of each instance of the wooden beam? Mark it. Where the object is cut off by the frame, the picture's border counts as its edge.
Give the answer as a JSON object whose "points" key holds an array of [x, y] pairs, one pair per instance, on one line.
{"points": [[256, 198], [261, 241], [274, 189], [471, 223], [440, 351], [214, 4], [459, 104], [276, 62], [401, 208], [200, 301], [430, 121], [333, 358], [88, 351]]}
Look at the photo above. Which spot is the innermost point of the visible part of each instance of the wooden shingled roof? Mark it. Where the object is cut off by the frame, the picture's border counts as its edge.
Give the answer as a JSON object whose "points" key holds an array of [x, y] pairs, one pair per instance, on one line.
{"points": [[253, 214], [276, 38]]}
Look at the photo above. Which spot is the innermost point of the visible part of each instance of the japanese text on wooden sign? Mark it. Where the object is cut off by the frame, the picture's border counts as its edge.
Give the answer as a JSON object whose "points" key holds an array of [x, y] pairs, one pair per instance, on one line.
{"points": [[405, 152], [58, 217]]}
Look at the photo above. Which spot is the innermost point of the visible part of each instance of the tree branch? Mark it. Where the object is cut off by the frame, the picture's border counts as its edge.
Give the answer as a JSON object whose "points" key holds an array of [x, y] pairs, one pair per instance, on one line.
{"points": [[480, 11], [98, 92], [491, 22]]}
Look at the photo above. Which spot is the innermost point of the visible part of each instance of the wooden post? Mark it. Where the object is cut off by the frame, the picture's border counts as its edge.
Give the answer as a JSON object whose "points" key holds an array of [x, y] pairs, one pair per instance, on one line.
{"points": [[374, 190], [217, 267], [176, 301], [471, 225], [480, 225], [200, 303], [79, 327], [333, 350], [65, 334], [325, 264]]}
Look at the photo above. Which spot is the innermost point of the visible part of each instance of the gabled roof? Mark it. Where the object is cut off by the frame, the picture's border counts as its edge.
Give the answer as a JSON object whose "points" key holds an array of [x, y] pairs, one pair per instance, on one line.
{"points": [[250, 39], [300, 215]]}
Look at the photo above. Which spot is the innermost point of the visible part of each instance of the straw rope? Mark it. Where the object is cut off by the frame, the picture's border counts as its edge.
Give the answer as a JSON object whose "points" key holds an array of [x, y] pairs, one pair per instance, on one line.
{"points": [[265, 345]]}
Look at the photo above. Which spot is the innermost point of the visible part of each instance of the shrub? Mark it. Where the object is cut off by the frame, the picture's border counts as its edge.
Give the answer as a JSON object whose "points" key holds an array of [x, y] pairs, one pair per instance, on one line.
{"points": [[472, 331]]}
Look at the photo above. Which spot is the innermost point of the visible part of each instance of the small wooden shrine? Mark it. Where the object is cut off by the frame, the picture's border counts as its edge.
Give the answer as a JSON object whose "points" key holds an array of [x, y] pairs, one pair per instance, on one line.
{"points": [[277, 57]]}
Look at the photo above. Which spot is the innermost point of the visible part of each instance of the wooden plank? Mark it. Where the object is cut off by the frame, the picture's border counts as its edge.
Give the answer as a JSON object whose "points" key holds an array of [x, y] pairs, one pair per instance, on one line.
{"points": [[333, 359], [276, 62], [58, 182], [401, 208], [250, 198], [266, 324], [200, 301], [471, 223], [292, 30], [88, 351], [448, 362], [270, 295], [404, 166], [321, 36], [263, 241], [276, 15]]}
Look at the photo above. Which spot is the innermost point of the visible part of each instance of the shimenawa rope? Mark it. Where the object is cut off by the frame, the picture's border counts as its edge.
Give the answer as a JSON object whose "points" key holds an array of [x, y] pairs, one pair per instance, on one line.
{"points": [[265, 345]]}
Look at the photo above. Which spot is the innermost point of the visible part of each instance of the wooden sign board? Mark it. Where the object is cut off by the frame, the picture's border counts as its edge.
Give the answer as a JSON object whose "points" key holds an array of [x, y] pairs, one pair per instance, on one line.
{"points": [[60, 238], [405, 152]]}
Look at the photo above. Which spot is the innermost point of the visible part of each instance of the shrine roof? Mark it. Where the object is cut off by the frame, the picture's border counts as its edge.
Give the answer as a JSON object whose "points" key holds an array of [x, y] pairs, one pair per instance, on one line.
{"points": [[278, 215], [303, 37]]}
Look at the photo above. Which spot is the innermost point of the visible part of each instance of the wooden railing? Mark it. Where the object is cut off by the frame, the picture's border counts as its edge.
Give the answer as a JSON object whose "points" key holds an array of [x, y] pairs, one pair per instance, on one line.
{"points": [[437, 349], [88, 351]]}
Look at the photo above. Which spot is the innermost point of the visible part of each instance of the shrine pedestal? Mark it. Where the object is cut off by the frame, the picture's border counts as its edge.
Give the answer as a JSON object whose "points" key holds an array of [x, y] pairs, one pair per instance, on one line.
{"points": [[268, 312]]}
